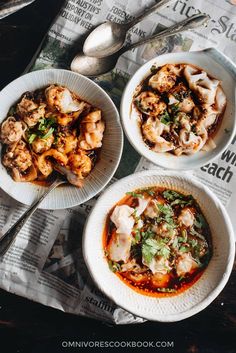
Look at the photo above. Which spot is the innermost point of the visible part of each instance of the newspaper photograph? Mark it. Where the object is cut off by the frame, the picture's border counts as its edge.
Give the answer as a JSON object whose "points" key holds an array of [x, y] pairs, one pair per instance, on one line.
{"points": [[45, 264]]}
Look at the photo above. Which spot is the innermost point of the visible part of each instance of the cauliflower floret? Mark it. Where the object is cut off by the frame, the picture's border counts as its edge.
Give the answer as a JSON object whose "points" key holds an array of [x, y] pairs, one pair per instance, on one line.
{"points": [[12, 130], [60, 98]]}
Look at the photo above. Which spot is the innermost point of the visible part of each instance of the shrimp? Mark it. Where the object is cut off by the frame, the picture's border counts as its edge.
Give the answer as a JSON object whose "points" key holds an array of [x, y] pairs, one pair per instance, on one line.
{"points": [[80, 164], [92, 129], [59, 98], [45, 165]]}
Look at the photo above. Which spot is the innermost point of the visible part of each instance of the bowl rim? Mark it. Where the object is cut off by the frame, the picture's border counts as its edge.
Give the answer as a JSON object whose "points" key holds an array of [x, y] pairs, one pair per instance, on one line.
{"points": [[144, 150], [196, 308], [119, 126]]}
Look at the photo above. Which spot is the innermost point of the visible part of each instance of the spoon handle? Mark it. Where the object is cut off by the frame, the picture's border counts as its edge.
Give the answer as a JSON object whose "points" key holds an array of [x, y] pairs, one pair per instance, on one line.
{"points": [[146, 13], [7, 238], [190, 23]]}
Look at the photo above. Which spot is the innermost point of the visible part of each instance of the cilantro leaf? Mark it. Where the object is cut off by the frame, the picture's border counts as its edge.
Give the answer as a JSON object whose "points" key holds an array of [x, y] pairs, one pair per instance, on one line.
{"points": [[171, 195], [134, 194]]}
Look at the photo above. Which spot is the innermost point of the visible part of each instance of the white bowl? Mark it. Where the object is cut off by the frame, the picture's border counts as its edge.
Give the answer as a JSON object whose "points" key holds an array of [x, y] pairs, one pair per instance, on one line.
{"points": [[203, 291], [66, 196], [215, 64]]}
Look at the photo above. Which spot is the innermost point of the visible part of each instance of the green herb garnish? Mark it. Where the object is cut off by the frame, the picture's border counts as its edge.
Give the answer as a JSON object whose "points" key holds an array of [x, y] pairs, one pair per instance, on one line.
{"points": [[114, 266], [153, 68], [31, 138], [49, 133], [134, 194], [153, 247], [165, 118]]}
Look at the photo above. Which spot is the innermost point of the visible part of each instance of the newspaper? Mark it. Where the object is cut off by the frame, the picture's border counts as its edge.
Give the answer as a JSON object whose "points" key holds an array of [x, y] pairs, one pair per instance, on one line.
{"points": [[46, 264]]}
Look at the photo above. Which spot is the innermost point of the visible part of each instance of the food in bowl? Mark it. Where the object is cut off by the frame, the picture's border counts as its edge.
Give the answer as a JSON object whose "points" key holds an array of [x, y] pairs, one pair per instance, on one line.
{"points": [[51, 129], [180, 108], [157, 241]]}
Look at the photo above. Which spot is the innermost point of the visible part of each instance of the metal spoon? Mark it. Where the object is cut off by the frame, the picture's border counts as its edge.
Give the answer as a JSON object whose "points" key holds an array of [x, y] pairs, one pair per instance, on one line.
{"points": [[92, 67], [7, 239], [107, 38]]}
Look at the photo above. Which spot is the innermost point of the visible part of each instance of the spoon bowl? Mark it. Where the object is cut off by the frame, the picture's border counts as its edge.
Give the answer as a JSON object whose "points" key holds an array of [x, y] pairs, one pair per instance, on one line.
{"points": [[114, 35], [91, 66], [107, 38]]}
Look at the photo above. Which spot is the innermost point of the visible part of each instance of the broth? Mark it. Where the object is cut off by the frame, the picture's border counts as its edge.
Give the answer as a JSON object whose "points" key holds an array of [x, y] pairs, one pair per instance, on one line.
{"points": [[169, 245]]}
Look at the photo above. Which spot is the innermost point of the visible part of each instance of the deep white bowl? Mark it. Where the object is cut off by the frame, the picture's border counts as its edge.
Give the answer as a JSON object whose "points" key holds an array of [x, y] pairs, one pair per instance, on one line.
{"points": [[203, 291], [68, 195], [214, 63]]}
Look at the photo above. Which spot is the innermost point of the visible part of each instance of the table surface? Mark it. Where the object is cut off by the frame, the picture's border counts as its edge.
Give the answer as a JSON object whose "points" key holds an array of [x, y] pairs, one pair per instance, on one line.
{"points": [[30, 327]]}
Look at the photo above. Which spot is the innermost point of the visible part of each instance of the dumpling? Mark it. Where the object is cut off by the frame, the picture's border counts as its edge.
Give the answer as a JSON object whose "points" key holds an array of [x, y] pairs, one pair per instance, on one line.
{"points": [[162, 145], [12, 130], [119, 247], [142, 205], [19, 160], [165, 78], [66, 142], [120, 243], [152, 210], [205, 116], [18, 156], [80, 164], [186, 217], [185, 264], [40, 145], [122, 218], [30, 111], [91, 132], [189, 143], [203, 86], [149, 103], [180, 95], [152, 128], [60, 98], [220, 101], [158, 265]]}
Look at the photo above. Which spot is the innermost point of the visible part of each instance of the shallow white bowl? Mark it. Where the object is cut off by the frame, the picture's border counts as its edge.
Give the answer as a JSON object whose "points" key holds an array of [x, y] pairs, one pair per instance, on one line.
{"points": [[198, 296], [68, 195], [215, 64]]}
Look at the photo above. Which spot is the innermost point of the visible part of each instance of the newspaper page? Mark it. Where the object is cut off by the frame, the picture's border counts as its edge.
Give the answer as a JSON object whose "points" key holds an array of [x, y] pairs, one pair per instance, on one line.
{"points": [[45, 263]]}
